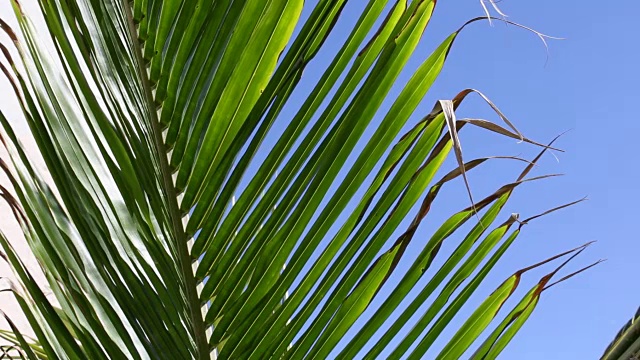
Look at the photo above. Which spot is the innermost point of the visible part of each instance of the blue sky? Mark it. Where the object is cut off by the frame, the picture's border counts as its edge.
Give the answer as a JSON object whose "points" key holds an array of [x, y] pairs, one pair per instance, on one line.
{"points": [[584, 84], [587, 84]]}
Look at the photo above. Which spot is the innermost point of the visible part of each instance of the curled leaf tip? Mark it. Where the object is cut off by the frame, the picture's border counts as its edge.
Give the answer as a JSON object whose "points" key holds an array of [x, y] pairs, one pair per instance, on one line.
{"points": [[494, 5]]}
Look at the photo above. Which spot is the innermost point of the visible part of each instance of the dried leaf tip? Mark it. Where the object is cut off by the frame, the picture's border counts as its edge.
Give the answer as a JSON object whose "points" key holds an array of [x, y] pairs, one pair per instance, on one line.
{"points": [[494, 5], [7, 29]]}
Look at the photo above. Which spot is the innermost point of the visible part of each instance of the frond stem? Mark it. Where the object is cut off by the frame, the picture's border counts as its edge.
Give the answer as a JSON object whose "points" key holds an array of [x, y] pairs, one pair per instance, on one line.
{"points": [[197, 321]]}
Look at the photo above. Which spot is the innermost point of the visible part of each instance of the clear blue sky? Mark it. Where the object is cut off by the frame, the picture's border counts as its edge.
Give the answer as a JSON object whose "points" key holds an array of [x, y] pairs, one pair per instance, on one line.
{"points": [[586, 85]]}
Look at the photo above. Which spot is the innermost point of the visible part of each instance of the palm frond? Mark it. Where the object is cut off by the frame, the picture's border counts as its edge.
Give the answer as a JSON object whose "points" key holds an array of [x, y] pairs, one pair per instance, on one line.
{"points": [[176, 227], [626, 344]]}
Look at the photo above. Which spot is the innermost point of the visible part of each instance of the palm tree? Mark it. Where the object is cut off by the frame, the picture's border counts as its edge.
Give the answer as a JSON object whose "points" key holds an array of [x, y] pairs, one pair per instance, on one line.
{"points": [[172, 229], [626, 344]]}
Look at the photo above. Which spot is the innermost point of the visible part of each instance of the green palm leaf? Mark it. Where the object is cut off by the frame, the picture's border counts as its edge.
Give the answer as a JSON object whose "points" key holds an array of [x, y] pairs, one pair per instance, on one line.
{"points": [[626, 344], [171, 229]]}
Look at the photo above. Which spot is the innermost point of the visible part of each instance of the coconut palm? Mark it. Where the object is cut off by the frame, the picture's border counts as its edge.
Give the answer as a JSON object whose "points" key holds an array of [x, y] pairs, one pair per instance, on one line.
{"points": [[626, 344], [189, 216]]}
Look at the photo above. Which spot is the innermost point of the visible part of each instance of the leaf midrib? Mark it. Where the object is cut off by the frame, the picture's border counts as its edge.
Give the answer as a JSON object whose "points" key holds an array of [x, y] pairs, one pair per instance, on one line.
{"points": [[184, 260]]}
